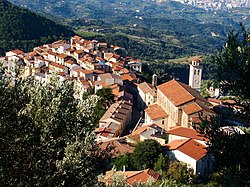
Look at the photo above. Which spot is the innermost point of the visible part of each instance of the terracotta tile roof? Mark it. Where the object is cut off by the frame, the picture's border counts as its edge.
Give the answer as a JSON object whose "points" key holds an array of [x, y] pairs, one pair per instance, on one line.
{"points": [[186, 132], [189, 147], [143, 128], [155, 112], [174, 91], [192, 108], [79, 51], [77, 37], [115, 89], [127, 77], [179, 93], [175, 144], [213, 100], [193, 149], [134, 176], [17, 51], [84, 82], [85, 71], [118, 147], [146, 87], [61, 55]]}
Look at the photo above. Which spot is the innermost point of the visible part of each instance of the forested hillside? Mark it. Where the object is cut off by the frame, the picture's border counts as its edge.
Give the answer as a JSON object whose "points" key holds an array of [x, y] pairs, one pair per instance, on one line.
{"points": [[147, 29], [20, 28]]}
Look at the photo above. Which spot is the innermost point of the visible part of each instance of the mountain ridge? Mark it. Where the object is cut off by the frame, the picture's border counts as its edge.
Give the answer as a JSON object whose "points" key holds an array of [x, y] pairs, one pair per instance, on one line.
{"points": [[21, 28]]}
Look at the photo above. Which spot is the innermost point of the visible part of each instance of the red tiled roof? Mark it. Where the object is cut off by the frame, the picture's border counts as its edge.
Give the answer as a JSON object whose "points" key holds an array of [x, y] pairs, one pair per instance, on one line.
{"points": [[142, 176], [175, 144], [213, 100], [120, 147], [186, 132], [143, 128], [17, 51], [133, 176], [77, 37], [62, 55], [193, 149], [189, 147], [175, 92], [179, 93], [127, 77], [155, 112], [192, 108]]}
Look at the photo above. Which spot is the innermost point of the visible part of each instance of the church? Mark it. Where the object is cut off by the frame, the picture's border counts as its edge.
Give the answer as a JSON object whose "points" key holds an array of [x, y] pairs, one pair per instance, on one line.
{"points": [[179, 104]]}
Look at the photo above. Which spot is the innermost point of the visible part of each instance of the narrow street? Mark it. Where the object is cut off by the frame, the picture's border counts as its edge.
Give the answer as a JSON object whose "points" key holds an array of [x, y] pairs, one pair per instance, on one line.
{"points": [[135, 118]]}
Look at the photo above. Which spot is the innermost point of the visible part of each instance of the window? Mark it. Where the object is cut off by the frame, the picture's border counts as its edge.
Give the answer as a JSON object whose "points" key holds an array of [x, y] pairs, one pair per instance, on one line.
{"points": [[198, 72], [162, 121], [195, 71]]}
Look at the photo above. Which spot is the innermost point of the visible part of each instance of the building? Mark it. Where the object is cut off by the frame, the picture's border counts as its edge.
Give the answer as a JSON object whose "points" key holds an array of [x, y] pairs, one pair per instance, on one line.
{"points": [[195, 73], [132, 177], [116, 146], [155, 114], [178, 104], [146, 95], [179, 133], [114, 120], [148, 132], [191, 152]]}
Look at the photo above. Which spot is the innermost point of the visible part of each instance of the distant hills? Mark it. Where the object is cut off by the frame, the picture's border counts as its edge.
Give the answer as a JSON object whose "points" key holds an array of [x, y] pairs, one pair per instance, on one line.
{"points": [[149, 30], [20, 28]]}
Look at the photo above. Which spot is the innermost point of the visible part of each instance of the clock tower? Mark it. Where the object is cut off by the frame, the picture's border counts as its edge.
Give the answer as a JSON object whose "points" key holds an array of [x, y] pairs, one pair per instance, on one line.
{"points": [[195, 72]]}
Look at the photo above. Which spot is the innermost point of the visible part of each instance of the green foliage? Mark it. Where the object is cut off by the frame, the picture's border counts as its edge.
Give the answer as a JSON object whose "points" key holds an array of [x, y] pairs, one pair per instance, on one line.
{"points": [[107, 97], [179, 171], [146, 154], [124, 161], [234, 67], [162, 164], [20, 28], [165, 71], [45, 135], [232, 160]]}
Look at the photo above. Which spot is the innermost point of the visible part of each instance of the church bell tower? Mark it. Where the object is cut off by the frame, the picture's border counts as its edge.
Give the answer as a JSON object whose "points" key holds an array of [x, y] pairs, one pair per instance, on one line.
{"points": [[195, 73]]}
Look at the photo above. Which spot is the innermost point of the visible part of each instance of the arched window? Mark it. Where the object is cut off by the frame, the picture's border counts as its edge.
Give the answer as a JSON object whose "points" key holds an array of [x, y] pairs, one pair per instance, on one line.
{"points": [[195, 72], [198, 72]]}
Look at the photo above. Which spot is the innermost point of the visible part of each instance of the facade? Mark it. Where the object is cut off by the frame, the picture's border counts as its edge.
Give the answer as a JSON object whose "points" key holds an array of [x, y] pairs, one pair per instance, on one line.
{"points": [[195, 73], [146, 95], [114, 120], [192, 153], [148, 132], [183, 133], [154, 114], [181, 103]]}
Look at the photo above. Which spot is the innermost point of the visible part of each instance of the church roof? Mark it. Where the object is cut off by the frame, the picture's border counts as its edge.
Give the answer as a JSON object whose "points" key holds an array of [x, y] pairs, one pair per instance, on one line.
{"points": [[179, 93]]}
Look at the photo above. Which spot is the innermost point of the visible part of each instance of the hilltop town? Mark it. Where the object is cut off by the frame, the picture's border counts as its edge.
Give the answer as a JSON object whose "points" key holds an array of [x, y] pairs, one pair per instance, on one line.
{"points": [[141, 111], [216, 5]]}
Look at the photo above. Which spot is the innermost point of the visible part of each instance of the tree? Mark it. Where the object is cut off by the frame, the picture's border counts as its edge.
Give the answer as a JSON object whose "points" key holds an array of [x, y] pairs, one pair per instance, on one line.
{"points": [[161, 165], [124, 161], [234, 67], [230, 151], [179, 172], [45, 135], [106, 95], [146, 154]]}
